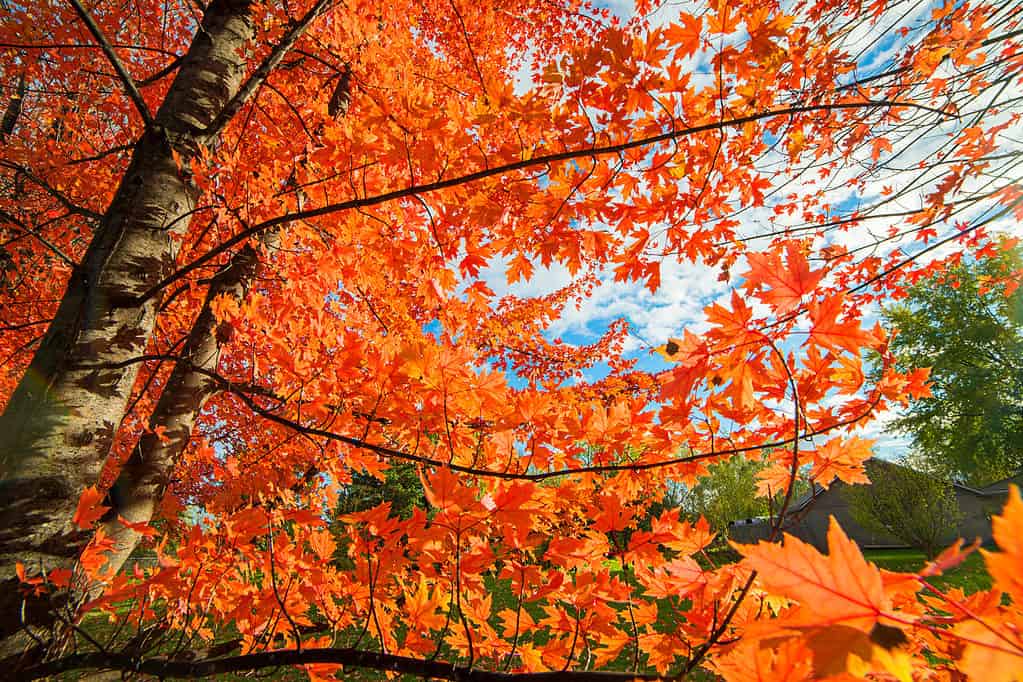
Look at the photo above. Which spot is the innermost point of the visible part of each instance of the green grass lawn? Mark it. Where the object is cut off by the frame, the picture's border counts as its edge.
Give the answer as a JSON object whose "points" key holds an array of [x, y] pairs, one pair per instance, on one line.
{"points": [[971, 575]]}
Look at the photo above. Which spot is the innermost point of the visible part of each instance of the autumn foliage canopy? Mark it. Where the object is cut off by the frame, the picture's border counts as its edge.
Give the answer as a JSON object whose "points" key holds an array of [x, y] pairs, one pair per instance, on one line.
{"points": [[251, 249]]}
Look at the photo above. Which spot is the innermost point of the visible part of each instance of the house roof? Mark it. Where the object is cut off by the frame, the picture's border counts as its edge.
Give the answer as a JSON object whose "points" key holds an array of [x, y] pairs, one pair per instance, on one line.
{"points": [[995, 488], [819, 490], [1002, 486]]}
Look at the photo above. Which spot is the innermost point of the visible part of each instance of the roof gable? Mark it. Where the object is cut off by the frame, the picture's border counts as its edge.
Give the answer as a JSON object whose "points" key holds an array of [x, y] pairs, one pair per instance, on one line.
{"points": [[819, 491], [1002, 486]]}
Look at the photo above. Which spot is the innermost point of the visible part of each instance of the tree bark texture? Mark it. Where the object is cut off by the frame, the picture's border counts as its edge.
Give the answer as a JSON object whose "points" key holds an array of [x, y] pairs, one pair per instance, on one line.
{"points": [[147, 472], [61, 420]]}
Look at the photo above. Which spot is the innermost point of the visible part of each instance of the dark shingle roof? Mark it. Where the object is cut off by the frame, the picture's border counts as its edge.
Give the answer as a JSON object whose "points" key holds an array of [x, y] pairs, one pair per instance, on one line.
{"points": [[995, 488]]}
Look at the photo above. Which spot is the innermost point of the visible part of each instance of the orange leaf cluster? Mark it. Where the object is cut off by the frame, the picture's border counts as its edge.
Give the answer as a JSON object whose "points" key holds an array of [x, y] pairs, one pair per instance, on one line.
{"points": [[469, 226]]}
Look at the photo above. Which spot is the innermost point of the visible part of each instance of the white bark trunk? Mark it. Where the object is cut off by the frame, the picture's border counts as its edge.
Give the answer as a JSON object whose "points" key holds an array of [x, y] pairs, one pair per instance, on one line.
{"points": [[60, 422]]}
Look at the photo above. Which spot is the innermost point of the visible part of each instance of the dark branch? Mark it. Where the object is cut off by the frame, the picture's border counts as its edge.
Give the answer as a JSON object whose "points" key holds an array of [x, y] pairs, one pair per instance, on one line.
{"points": [[241, 391], [13, 109], [468, 45], [162, 73], [66, 201], [255, 81], [542, 160], [357, 658], [115, 61], [14, 222]]}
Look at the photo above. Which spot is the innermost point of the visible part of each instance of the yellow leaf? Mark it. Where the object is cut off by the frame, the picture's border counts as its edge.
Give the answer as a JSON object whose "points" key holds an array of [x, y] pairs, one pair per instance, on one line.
{"points": [[670, 350], [531, 658]]}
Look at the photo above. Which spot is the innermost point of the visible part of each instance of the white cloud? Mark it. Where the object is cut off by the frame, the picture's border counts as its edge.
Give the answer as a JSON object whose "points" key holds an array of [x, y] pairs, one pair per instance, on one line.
{"points": [[886, 445], [686, 289]]}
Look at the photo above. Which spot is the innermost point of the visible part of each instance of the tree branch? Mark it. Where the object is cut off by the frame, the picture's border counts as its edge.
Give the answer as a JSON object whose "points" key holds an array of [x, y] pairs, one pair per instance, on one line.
{"points": [[262, 72], [17, 224], [542, 160], [162, 73], [241, 391], [357, 658], [115, 61], [52, 191]]}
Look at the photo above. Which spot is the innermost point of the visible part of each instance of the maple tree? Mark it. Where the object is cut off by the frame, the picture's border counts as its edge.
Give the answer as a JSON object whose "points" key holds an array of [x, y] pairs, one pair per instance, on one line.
{"points": [[248, 253]]}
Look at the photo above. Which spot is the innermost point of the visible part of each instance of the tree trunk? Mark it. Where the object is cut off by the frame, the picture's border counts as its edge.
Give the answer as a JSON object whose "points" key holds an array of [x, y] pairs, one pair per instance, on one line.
{"points": [[60, 422], [145, 476]]}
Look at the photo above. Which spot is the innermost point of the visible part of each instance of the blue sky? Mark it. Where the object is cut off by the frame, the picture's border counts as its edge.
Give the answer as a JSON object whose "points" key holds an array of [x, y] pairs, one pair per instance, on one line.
{"points": [[688, 288]]}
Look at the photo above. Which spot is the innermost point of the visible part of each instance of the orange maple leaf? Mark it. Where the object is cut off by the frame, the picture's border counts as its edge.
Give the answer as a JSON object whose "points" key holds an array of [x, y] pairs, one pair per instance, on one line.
{"points": [[829, 333], [788, 283], [532, 658], [753, 661], [611, 515], [771, 480], [686, 34], [1006, 566], [90, 508], [143, 529], [725, 20], [517, 621], [519, 267], [421, 607], [446, 491], [842, 459], [687, 538], [840, 587], [879, 145], [993, 651], [323, 544]]}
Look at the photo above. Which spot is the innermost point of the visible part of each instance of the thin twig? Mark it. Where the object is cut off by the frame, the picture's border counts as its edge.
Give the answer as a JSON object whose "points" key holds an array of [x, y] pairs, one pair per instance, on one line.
{"points": [[262, 72], [524, 164], [115, 61]]}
